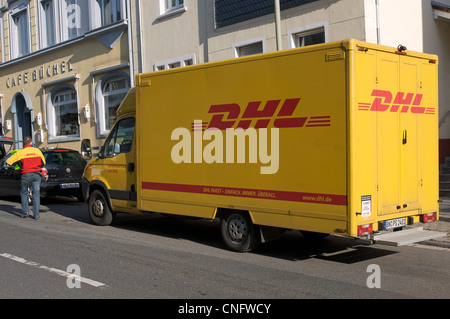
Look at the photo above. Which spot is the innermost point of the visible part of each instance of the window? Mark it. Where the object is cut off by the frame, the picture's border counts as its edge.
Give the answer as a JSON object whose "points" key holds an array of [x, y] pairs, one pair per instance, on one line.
{"points": [[169, 7], [20, 34], [120, 140], [114, 91], [310, 38], [75, 18], [48, 27], [109, 93], [250, 47], [308, 35], [66, 113], [175, 63], [63, 118], [111, 11], [173, 4]]}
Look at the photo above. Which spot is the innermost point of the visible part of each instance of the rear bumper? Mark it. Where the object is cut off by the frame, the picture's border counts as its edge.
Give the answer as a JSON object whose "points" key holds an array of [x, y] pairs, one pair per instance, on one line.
{"points": [[54, 189]]}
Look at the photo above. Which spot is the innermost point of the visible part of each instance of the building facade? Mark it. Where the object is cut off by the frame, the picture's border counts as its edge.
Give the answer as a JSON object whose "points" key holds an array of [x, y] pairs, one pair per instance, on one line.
{"points": [[66, 64], [182, 32], [65, 67]]}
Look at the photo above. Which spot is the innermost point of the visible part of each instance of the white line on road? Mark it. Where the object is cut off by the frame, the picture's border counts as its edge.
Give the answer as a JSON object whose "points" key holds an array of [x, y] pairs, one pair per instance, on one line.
{"points": [[52, 270]]}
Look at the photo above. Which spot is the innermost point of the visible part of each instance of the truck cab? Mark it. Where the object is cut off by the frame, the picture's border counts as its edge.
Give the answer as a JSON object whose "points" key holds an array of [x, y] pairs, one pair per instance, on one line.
{"points": [[109, 183]]}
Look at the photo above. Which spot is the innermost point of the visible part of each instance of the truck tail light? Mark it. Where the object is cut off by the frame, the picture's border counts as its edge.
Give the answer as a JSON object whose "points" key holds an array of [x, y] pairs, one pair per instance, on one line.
{"points": [[430, 217], [365, 229]]}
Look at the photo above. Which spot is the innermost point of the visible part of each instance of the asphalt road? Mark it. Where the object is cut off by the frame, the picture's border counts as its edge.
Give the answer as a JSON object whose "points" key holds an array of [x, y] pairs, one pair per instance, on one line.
{"points": [[159, 257]]}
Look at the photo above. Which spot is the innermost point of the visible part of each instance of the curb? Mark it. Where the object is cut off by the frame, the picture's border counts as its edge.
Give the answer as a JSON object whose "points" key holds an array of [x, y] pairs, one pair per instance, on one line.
{"points": [[435, 243]]}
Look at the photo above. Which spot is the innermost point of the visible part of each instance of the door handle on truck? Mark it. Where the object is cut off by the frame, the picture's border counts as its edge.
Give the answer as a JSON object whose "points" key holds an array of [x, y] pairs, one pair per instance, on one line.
{"points": [[405, 137]]}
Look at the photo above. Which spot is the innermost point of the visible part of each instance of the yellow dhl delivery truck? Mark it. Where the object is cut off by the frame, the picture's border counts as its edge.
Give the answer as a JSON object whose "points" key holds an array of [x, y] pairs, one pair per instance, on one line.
{"points": [[339, 138]]}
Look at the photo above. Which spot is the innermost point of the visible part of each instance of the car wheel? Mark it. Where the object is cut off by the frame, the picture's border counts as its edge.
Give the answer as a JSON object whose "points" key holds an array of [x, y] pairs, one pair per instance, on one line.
{"points": [[99, 210], [239, 233]]}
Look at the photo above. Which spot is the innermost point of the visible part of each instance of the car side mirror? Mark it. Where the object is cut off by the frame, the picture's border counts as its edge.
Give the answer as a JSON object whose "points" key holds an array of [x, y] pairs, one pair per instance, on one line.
{"points": [[101, 154], [86, 151]]}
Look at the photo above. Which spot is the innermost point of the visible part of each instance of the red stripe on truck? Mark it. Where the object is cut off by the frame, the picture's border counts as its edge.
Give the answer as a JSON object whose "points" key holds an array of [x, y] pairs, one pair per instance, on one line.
{"points": [[329, 199]]}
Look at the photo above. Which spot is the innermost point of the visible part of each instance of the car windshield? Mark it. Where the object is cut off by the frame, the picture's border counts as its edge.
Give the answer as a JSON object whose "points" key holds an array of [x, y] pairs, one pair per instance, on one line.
{"points": [[62, 158]]}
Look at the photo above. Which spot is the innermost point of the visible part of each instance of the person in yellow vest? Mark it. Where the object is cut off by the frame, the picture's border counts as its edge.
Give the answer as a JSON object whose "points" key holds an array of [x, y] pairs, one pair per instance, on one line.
{"points": [[31, 160]]}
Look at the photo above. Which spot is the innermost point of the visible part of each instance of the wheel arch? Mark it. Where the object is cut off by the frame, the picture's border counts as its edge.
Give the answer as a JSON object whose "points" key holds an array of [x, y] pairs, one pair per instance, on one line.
{"points": [[99, 185]]}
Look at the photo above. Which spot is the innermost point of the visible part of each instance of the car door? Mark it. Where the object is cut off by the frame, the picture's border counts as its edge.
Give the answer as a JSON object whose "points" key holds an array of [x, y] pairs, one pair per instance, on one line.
{"points": [[117, 165], [9, 179]]}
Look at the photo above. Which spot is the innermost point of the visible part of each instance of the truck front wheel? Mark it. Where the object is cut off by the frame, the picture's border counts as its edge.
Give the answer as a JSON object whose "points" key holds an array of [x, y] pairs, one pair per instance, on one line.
{"points": [[99, 210], [239, 233]]}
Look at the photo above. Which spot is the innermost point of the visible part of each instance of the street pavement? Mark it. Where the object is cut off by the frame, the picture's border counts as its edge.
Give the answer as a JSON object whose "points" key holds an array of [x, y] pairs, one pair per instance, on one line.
{"points": [[442, 225]]}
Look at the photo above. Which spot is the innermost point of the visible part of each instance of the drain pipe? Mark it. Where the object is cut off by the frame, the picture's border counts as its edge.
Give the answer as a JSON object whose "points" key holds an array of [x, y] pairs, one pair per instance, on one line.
{"points": [[277, 24], [377, 5], [130, 44]]}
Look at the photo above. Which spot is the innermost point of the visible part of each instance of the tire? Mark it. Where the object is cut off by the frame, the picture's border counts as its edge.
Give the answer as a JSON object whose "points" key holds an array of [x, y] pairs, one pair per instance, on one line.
{"points": [[99, 210], [239, 233]]}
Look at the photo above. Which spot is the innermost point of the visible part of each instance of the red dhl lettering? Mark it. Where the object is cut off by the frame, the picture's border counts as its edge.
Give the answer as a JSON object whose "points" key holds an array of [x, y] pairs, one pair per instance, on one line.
{"points": [[384, 101], [230, 115]]}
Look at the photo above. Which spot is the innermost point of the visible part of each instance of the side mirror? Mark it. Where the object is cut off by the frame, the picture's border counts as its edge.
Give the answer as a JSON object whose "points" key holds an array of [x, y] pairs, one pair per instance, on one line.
{"points": [[86, 151], [101, 154]]}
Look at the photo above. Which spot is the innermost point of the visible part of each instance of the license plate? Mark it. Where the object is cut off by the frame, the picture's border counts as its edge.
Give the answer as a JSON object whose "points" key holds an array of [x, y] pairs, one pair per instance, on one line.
{"points": [[70, 185], [394, 223]]}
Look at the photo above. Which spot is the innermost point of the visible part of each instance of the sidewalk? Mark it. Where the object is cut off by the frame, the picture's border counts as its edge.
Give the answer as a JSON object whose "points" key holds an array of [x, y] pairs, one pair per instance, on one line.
{"points": [[442, 225]]}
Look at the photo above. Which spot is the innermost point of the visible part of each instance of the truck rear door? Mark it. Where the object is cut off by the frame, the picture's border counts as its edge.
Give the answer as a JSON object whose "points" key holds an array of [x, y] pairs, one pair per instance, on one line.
{"points": [[398, 99]]}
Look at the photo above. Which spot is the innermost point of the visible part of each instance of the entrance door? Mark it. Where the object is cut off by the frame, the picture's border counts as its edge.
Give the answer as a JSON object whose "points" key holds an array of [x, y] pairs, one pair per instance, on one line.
{"points": [[23, 117]]}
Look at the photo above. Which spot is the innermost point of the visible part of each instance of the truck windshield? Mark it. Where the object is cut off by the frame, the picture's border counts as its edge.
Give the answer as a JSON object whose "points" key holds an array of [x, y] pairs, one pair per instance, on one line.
{"points": [[120, 139]]}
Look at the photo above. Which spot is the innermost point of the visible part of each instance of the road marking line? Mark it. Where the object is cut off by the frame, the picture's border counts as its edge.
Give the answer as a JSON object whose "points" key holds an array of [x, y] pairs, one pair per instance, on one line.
{"points": [[62, 273]]}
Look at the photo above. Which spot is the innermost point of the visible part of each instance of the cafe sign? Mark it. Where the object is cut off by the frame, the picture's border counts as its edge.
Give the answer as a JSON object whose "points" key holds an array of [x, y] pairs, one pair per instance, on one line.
{"points": [[41, 73]]}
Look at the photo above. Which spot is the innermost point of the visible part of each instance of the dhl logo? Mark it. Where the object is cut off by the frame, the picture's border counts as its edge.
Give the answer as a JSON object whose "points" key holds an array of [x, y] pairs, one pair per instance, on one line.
{"points": [[403, 103], [225, 116]]}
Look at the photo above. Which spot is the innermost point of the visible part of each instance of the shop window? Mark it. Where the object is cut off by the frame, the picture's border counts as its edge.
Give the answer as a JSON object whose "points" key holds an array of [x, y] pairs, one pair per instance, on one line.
{"points": [[66, 113], [111, 90], [20, 32], [63, 122], [114, 91]]}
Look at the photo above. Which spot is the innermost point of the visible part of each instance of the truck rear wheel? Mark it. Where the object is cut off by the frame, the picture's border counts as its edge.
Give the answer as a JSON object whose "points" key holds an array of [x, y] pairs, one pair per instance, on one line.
{"points": [[99, 210], [239, 233]]}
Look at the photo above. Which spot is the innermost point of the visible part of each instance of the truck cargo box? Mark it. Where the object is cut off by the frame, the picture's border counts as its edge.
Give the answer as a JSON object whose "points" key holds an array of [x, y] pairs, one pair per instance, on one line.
{"points": [[339, 138]]}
